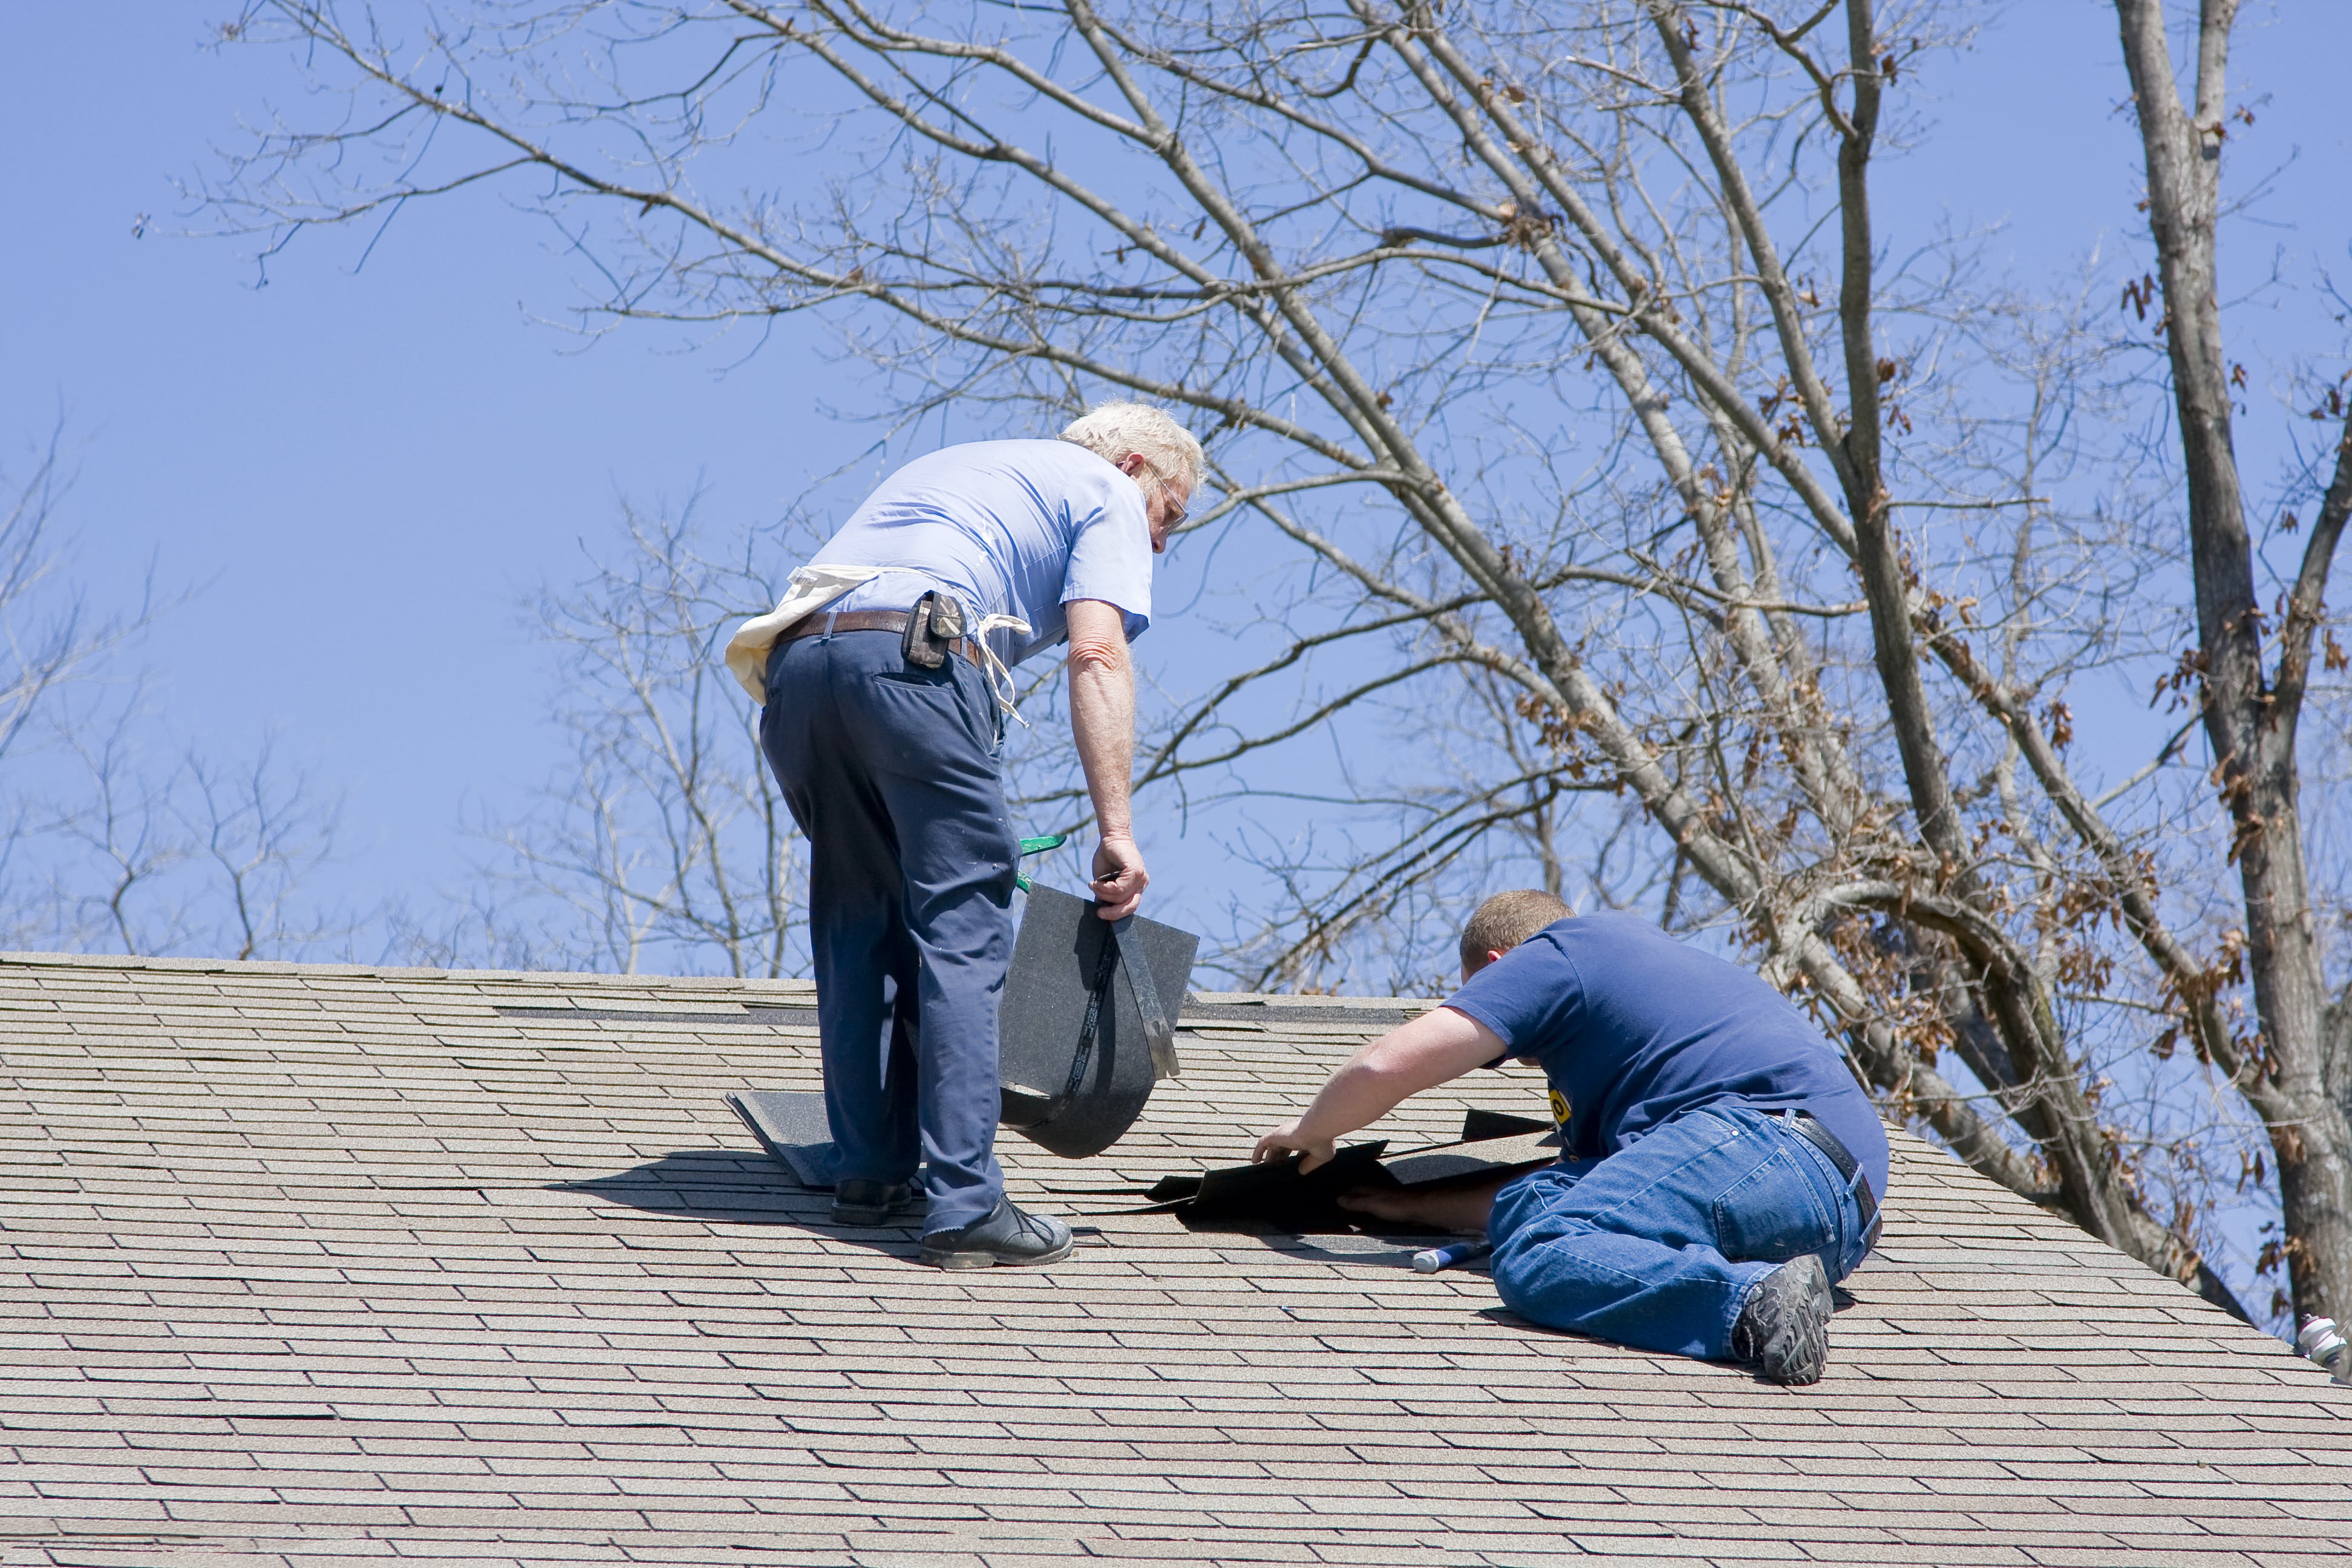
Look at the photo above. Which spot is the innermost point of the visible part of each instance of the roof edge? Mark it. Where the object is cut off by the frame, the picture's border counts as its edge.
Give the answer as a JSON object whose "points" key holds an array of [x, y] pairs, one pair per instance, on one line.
{"points": [[542, 978], [116, 961]]}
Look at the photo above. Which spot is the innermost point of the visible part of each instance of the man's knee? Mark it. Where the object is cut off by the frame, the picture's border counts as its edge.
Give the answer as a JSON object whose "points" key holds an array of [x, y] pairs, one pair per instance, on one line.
{"points": [[1524, 1224], [1533, 1261], [1521, 1201]]}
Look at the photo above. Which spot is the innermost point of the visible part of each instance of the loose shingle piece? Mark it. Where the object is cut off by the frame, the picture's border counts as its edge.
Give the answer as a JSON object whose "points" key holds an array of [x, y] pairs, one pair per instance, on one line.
{"points": [[328, 1265]]}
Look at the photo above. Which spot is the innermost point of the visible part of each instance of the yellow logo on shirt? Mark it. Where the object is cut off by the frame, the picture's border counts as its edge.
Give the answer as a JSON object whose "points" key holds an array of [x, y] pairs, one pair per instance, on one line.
{"points": [[1562, 1113]]}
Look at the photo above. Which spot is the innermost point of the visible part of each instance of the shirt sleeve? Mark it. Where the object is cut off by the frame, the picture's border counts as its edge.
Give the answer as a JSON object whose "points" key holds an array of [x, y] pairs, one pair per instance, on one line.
{"points": [[1529, 996], [1110, 551]]}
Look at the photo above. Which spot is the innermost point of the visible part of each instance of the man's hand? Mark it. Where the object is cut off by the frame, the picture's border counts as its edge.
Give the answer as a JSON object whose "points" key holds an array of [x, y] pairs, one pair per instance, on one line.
{"points": [[1286, 1139], [1119, 877], [1439, 1045]]}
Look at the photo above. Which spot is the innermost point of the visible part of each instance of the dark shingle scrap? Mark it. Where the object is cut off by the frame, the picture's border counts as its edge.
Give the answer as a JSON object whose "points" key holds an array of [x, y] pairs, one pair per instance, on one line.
{"points": [[311, 1264]]}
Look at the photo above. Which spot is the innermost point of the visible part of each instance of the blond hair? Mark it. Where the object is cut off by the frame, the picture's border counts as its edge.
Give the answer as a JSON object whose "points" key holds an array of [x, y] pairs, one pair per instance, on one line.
{"points": [[1508, 920], [1112, 430]]}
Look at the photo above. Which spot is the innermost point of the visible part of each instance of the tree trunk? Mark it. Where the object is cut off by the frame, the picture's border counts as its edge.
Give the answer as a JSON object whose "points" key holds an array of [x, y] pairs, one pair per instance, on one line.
{"points": [[2021, 1010], [2250, 725]]}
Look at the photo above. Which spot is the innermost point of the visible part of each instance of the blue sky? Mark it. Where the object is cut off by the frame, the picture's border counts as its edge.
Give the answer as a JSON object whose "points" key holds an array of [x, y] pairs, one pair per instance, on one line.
{"points": [[359, 471]]}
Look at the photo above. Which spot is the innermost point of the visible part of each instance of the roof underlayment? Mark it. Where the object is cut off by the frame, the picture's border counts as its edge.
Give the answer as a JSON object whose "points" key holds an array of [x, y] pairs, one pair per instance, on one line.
{"points": [[317, 1265]]}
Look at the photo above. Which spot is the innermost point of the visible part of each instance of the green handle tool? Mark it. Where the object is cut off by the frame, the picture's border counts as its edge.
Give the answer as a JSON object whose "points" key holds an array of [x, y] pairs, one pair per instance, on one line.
{"points": [[1037, 846]]}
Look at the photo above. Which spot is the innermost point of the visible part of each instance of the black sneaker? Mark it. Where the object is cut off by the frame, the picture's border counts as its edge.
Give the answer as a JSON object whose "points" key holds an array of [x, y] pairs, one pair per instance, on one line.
{"points": [[1008, 1238], [860, 1202], [1784, 1329]]}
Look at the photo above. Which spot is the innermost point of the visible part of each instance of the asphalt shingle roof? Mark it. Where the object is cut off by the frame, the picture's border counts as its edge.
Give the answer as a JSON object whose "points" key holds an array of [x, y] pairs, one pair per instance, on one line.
{"points": [[315, 1264]]}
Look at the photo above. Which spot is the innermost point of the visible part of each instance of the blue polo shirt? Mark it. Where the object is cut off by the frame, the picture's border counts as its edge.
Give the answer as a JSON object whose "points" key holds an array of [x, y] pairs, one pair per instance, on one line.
{"points": [[1634, 1027], [1016, 528]]}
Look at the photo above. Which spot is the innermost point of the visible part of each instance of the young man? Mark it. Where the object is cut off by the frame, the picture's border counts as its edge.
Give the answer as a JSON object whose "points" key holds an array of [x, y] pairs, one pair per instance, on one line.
{"points": [[885, 740], [1720, 1167]]}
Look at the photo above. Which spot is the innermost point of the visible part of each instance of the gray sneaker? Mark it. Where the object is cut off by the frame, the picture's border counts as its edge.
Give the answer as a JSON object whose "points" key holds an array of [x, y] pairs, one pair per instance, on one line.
{"points": [[1007, 1239], [1784, 1329], [858, 1200]]}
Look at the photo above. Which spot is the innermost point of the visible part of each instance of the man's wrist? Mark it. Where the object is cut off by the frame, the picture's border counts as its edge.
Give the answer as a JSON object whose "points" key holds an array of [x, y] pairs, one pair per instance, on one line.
{"points": [[1308, 1130]]}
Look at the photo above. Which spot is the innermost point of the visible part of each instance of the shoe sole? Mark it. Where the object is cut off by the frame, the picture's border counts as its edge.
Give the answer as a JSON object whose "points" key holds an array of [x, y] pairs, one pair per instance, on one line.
{"points": [[1802, 1342], [869, 1219], [940, 1259]]}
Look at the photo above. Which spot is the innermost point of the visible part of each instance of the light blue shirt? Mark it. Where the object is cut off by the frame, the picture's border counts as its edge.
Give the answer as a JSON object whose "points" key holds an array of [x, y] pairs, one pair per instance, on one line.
{"points": [[1016, 528]]}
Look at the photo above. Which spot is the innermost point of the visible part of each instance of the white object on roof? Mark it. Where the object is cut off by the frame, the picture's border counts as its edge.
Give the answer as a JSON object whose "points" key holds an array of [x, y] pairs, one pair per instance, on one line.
{"points": [[812, 588]]}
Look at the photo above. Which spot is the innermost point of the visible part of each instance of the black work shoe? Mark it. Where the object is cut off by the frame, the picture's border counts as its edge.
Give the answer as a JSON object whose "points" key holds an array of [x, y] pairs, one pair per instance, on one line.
{"points": [[1008, 1238], [858, 1200], [1784, 1329]]}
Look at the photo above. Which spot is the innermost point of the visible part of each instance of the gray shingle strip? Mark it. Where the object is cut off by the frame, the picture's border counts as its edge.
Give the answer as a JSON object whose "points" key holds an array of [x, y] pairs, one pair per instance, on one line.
{"points": [[454, 1277]]}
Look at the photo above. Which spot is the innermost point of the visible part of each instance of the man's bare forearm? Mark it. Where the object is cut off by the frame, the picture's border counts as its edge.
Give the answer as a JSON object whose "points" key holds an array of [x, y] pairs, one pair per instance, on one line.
{"points": [[1462, 1207], [1102, 721], [1355, 1097], [1102, 713], [1102, 716], [1439, 1045]]}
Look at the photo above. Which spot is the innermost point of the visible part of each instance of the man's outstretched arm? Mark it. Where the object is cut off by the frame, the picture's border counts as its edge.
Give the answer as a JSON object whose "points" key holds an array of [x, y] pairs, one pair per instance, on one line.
{"points": [[1462, 1207], [1436, 1047], [1102, 721]]}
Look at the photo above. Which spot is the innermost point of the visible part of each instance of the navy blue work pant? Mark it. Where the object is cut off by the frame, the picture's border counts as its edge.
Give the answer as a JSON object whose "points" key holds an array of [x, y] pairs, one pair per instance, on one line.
{"points": [[1660, 1244], [892, 773]]}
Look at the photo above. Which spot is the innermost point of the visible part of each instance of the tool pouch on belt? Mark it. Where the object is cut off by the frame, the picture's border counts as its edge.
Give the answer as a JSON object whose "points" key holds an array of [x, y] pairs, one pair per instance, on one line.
{"points": [[935, 627]]}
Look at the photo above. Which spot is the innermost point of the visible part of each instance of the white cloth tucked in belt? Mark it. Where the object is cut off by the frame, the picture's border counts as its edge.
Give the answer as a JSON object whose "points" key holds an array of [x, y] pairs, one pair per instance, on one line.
{"points": [[811, 589]]}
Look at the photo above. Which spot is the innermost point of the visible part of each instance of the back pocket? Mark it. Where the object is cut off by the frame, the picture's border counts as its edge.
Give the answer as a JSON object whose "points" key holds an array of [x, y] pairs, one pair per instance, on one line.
{"points": [[946, 695], [1772, 1214]]}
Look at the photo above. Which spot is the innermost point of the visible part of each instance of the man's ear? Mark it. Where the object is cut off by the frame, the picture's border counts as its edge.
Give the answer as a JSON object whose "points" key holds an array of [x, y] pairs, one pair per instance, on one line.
{"points": [[1492, 953]]}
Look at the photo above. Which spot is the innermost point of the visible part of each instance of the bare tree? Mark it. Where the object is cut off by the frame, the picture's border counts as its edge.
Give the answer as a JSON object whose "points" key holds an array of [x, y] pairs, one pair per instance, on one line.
{"points": [[114, 836], [121, 840], [150, 848], [2252, 669], [262, 831], [1561, 385], [48, 635], [668, 840]]}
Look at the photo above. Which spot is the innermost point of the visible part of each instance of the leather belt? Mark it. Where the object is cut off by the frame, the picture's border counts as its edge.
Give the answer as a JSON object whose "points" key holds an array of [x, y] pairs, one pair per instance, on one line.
{"points": [[1805, 1125], [822, 622]]}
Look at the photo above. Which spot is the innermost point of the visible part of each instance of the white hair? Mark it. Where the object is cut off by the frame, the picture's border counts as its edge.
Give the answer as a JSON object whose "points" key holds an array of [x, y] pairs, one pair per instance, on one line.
{"points": [[1112, 430]]}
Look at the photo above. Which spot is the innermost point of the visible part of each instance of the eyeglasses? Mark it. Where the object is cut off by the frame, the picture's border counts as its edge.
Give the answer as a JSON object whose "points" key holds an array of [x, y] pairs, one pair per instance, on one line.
{"points": [[1177, 511]]}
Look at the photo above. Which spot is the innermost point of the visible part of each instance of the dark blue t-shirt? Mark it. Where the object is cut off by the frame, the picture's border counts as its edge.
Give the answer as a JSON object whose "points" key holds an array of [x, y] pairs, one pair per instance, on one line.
{"points": [[1632, 1028]]}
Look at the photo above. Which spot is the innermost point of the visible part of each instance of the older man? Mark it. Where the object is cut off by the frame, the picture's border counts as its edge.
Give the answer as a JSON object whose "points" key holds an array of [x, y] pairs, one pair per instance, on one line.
{"points": [[886, 693], [1720, 1166]]}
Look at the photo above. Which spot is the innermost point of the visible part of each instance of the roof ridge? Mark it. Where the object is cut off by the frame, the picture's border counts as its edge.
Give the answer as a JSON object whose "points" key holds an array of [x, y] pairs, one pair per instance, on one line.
{"points": [[542, 978], [537, 977]]}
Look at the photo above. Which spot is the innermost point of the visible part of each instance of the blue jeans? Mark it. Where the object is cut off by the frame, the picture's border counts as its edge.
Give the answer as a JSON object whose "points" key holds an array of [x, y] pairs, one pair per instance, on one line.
{"points": [[1660, 1244], [891, 772]]}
